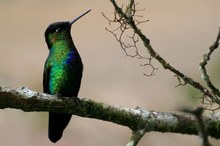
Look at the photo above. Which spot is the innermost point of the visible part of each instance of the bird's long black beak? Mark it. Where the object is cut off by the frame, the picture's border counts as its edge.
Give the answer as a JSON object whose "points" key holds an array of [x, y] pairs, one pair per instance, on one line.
{"points": [[74, 20]]}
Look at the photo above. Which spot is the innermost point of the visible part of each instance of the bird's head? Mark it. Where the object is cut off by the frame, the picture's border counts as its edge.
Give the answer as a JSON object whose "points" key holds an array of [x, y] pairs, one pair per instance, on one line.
{"points": [[60, 30]]}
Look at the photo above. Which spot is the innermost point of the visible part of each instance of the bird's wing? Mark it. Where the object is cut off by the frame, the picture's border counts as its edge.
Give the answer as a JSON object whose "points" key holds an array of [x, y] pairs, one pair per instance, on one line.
{"points": [[46, 78]]}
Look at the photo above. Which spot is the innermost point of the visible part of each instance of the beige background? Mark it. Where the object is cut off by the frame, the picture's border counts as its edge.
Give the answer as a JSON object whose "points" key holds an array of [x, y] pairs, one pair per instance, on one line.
{"points": [[181, 31]]}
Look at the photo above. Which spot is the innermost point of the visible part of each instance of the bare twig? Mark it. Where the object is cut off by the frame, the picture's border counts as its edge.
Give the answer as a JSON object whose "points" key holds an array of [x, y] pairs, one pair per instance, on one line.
{"points": [[188, 80], [128, 40], [181, 82], [136, 137], [204, 62]]}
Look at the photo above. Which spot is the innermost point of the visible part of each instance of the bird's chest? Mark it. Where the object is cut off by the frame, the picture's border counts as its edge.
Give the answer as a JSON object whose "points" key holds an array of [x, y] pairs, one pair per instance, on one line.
{"points": [[65, 75]]}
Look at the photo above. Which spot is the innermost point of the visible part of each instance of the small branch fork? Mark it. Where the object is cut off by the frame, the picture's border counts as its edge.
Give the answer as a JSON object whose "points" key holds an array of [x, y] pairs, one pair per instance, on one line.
{"points": [[128, 40], [136, 137], [204, 62]]}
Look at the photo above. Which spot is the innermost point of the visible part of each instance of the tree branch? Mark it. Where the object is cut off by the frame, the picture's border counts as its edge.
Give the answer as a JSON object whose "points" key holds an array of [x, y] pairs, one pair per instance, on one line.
{"points": [[204, 62], [136, 137], [128, 19], [138, 119]]}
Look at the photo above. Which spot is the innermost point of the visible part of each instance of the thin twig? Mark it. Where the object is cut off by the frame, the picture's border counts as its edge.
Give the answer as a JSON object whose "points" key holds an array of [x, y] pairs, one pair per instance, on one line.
{"points": [[136, 137], [129, 42], [204, 62], [161, 60], [181, 82]]}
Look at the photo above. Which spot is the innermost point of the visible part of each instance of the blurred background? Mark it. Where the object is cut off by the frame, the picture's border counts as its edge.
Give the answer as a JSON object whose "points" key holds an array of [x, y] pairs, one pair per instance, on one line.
{"points": [[180, 31]]}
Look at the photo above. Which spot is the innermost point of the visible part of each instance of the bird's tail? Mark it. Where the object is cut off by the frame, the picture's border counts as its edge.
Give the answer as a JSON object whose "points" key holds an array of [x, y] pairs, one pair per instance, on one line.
{"points": [[57, 123]]}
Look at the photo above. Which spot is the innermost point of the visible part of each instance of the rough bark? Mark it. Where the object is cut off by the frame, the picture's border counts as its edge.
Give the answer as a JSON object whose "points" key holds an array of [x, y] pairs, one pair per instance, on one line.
{"points": [[139, 120]]}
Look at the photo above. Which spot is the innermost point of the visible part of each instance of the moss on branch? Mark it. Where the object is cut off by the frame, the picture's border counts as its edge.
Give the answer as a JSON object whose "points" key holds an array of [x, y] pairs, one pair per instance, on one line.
{"points": [[136, 119]]}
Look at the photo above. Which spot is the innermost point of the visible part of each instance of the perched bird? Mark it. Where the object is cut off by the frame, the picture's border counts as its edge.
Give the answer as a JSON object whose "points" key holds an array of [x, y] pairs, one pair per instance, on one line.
{"points": [[62, 71]]}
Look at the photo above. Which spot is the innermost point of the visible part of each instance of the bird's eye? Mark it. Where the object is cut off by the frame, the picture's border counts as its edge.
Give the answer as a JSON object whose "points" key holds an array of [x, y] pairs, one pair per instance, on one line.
{"points": [[58, 29]]}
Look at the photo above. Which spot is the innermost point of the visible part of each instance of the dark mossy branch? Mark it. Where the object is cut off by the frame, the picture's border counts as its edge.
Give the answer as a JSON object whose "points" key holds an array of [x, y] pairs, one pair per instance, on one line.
{"points": [[138, 119]]}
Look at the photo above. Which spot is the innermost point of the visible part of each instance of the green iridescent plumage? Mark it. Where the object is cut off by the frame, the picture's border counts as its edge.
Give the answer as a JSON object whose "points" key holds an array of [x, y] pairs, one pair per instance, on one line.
{"points": [[60, 62], [62, 72]]}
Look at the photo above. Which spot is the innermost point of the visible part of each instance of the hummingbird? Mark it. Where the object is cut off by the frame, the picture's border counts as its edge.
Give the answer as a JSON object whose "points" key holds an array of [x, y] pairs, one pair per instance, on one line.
{"points": [[63, 71]]}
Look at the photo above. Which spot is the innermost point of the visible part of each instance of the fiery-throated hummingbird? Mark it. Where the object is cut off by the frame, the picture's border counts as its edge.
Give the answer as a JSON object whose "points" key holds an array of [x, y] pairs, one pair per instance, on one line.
{"points": [[62, 71]]}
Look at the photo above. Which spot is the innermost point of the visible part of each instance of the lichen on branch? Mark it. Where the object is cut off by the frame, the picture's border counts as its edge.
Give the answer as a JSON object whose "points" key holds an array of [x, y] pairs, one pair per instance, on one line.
{"points": [[137, 119]]}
